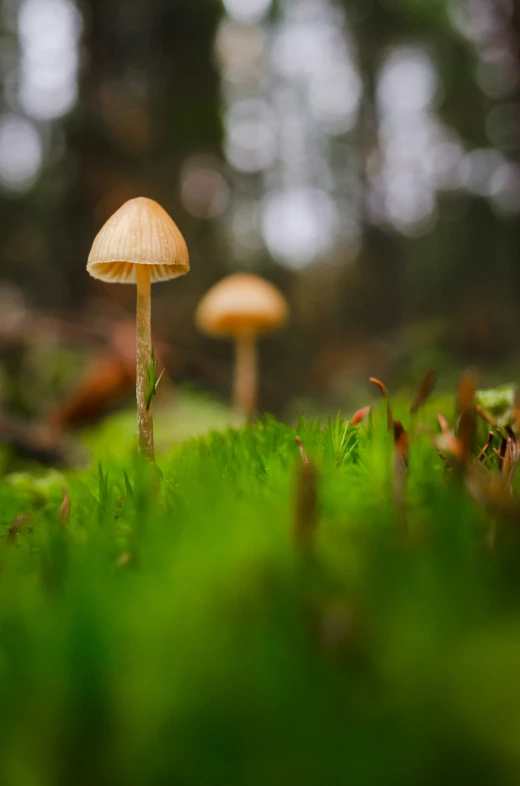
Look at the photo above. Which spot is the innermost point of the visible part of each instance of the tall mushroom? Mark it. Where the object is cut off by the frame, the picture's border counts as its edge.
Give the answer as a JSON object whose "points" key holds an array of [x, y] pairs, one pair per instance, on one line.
{"points": [[242, 307], [140, 244]]}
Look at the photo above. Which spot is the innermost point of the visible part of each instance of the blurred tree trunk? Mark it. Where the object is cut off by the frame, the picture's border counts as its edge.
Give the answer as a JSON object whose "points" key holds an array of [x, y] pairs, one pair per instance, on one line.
{"points": [[378, 300], [148, 95], [514, 254]]}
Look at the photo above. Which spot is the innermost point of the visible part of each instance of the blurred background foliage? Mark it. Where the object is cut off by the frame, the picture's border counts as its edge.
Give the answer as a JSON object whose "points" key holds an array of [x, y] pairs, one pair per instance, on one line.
{"points": [[361, 154]]}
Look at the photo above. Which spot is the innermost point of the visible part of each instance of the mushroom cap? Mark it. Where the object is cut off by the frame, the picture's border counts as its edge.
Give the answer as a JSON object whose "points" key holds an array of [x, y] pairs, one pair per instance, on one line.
{"points": [[140, 233], [241, 304]]}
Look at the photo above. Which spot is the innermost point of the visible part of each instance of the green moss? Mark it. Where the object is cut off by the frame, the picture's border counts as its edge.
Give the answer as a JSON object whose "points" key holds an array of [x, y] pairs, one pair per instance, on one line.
{"points": [[180, 637]]}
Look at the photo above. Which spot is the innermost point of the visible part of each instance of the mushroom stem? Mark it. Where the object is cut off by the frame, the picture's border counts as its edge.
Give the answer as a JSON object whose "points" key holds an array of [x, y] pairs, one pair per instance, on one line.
{"points": [[144, 358], [246, 375]]}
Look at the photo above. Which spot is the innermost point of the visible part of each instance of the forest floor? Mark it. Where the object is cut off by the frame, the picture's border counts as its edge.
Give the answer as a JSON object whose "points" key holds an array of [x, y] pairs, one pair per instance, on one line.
{"points": [[341, 608]]}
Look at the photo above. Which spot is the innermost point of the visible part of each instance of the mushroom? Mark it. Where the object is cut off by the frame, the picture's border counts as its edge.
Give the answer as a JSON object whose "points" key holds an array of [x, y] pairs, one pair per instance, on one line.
{"points": [[242, 307], [140, 244]]}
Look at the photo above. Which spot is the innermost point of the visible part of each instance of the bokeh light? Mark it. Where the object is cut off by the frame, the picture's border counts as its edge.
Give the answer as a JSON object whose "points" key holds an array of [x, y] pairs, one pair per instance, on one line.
{"points": [[409, 134], [292, 92], [239, 51], [250, 135], [479, 169], [503, 126], [299, 225], [335, 96], [247, 10], [49, 31], [204, 191], [20, 152], [407, 82]]}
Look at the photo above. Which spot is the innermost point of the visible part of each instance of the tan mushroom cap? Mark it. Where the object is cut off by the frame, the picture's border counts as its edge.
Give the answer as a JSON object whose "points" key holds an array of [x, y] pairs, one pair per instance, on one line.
{"points": [[241, 304], [140, 233]]}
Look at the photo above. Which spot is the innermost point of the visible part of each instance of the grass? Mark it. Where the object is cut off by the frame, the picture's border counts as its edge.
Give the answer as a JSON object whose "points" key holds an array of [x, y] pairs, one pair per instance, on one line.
{"points": [[185, 636]]}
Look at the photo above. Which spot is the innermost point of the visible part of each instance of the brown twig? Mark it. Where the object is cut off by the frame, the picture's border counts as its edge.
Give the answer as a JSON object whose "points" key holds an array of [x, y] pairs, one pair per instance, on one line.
{"points": [[303, 452], [306, 504], [423, 392], [467, 421], [400, 468], [511, 457], [483, 453]]}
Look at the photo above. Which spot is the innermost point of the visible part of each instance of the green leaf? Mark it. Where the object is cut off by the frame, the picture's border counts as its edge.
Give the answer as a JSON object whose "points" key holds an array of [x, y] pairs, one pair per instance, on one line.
{"points": [[152, 380]]}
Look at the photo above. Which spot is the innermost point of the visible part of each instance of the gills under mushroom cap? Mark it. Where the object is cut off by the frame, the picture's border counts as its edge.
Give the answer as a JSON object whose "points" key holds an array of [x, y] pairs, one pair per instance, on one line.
{"points": [[140, 233], [241, 304]]}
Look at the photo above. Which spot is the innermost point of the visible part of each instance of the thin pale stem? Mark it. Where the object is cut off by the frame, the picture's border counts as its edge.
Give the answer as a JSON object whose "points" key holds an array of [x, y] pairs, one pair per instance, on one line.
{"points": [[246, 376], [144, 358]]}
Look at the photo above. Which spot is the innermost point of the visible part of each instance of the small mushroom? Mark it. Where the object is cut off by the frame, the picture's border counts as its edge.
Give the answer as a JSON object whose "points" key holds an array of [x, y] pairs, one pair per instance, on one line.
{"points": [[140, 244], [242, 307]]}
